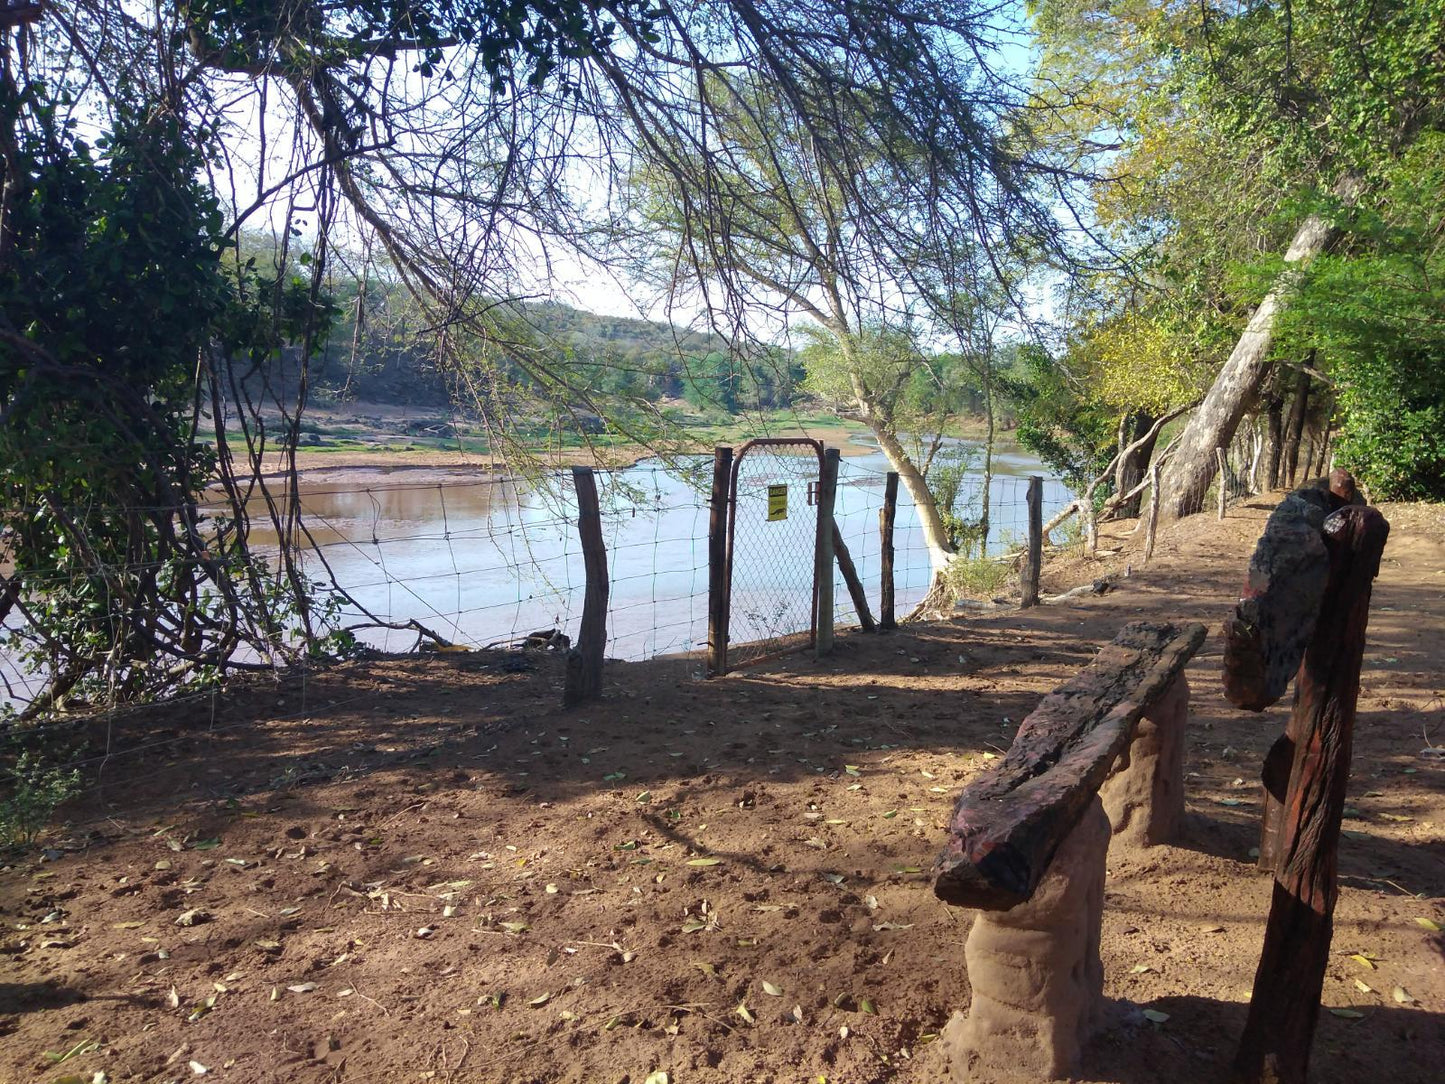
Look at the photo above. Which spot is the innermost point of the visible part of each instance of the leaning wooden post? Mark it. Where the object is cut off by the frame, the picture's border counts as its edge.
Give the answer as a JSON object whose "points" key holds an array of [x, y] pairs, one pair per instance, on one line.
{"points": [[584, 662], [1223, 465], [886, 517], [1153, 520], [823, 555], [852, 582], [1033, 562], [717, 578]]}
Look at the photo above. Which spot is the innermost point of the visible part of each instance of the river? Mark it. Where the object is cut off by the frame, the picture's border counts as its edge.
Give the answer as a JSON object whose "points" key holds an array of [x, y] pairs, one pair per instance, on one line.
{"points": [[483, 561]]}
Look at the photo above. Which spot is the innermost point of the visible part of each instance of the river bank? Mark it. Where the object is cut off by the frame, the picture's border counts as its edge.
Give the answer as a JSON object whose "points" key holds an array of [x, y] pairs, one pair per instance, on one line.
{"points": [[341, 441]]}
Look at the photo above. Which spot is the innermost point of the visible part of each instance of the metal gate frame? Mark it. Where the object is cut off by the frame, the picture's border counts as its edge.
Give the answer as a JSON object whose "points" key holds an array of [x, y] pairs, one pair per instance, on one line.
{"points": [[768, 442]]}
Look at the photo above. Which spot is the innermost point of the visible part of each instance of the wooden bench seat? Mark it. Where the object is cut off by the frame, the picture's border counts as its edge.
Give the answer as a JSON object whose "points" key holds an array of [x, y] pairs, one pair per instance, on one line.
{"points": [[1009, 822]]}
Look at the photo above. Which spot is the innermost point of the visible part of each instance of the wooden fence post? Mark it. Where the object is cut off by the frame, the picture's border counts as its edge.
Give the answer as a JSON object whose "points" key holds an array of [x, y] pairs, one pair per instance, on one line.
{"points": [[1153, 521], [1223, 465], [717, 581], [823, 556], [1285, 1004], [852, 582], [1034, 559], [584, 661], [886, 517]]}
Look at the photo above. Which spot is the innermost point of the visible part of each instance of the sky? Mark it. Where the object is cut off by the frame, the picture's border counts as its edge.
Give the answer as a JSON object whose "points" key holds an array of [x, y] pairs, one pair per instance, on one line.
{"points": [[266, 145]]}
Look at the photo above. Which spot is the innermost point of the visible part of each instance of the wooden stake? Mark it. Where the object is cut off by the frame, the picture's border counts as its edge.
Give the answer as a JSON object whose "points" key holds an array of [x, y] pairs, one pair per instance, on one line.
{"points": [[1286, 1001], [717, 573], [1222, 464], [1153, 521], [1033, 562], [886, 516], [823, 566], [584, 662], [853, 583]]}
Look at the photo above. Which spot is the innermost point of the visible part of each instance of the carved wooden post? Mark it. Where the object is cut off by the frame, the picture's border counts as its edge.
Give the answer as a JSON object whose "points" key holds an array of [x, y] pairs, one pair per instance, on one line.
{"points": [[584, 662], [823, 568], [886, 516], [1286, 1001], [717, 573], [1034, 559]]}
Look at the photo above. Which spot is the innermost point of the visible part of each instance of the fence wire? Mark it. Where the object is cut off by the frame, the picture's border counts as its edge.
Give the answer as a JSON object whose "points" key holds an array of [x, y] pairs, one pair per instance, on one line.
{"points": [[490, 562]]}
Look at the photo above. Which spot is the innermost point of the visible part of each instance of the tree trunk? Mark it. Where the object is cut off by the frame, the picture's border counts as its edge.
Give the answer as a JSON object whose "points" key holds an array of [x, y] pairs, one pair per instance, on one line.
{"points": [[1295, 425], [1187, 477], [1274, 440], [935, 537], [1132, 467]]}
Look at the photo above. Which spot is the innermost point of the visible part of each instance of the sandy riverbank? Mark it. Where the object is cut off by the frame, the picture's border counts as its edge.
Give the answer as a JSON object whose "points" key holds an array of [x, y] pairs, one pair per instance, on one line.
{"points": [[424, 464]]}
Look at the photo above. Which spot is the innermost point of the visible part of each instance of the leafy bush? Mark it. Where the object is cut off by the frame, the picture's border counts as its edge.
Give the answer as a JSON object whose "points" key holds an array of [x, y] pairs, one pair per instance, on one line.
{"points": [[976, 577], [35, 789]]}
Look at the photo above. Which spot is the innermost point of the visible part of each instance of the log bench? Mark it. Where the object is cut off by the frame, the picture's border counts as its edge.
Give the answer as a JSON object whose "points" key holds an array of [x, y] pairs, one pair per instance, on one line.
{"points": [[1101, 756]]}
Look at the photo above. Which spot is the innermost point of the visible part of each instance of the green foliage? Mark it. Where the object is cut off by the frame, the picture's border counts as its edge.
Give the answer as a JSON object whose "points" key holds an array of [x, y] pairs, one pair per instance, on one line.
{"points": [[534, 37], [976, 577], [1376, 312], [1058, 420], [949, 470], [30, 795], [116, 310]]}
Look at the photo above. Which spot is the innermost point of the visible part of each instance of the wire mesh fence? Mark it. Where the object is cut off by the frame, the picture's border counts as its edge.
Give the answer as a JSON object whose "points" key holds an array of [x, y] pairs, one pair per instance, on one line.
{"points": [[491, 561], [497, 562]]}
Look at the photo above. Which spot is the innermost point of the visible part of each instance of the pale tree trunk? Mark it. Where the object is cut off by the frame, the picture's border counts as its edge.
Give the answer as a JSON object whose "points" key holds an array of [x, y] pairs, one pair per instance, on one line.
{"points": [[1189, 473], [935, 537]]}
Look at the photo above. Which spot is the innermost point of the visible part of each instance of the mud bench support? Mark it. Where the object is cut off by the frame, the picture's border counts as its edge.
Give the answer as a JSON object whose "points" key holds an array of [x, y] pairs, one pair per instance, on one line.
{"points": [[1028, 842]]}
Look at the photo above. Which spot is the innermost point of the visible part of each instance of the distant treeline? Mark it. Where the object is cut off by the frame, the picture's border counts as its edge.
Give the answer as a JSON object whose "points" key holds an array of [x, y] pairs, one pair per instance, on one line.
{"points": [[391, 357]]}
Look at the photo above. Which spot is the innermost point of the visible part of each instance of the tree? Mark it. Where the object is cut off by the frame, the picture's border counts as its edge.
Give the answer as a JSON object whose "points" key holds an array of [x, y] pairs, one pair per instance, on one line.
{"points": [[112, 296], [783, 231], [1234, 121]]}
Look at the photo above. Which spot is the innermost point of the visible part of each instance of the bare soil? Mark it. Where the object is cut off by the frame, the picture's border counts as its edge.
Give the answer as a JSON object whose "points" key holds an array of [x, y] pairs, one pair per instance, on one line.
{"points": [[422, 868]]}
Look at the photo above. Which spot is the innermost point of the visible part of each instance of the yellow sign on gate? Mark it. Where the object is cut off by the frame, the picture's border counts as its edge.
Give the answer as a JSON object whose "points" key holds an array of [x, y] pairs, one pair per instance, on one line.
{"points": [[777, 502]]}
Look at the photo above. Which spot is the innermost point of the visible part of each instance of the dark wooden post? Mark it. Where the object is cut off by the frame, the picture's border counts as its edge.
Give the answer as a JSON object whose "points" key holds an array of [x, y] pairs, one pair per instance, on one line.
{"points": [[823, 557], [584, 662], [886, 517], [854, 584], [717, 574], [1286, 1001], [1034, 559]]}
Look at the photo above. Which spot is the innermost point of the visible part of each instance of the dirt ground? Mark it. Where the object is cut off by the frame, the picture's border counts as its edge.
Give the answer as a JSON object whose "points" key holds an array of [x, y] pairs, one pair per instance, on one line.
{"points": [[423, 869]]}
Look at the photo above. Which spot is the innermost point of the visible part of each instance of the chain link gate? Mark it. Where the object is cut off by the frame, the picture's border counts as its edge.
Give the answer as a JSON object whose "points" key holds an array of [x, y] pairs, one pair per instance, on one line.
{"points": [[772, 586]]}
